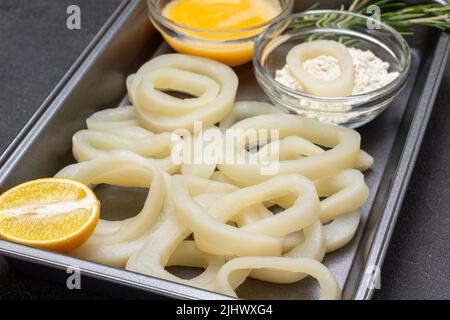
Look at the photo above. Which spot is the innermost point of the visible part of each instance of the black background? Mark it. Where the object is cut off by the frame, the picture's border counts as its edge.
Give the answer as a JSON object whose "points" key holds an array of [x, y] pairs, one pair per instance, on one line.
{"points": [[36, 49]]}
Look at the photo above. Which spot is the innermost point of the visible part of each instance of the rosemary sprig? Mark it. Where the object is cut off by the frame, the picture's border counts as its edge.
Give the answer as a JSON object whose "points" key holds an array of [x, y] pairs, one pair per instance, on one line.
{"points": [[403, 16], [399, 14]]}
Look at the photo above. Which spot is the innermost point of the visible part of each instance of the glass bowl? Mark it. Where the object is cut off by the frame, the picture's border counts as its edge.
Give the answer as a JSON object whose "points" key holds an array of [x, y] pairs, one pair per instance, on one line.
{"points": [[233, 47], [353, 30]]}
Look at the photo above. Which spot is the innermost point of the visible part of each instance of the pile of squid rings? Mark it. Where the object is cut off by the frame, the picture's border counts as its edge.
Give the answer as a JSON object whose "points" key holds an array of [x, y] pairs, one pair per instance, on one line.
{"points": [[219, 216]]}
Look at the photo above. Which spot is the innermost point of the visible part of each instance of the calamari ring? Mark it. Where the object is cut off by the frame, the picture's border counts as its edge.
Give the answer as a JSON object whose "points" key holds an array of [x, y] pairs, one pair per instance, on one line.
{"points": [[117, 129], [91, 144], [188, 255], [201, 165], [247, 109], [341, 86], [308, 243], [313, 247], [294, 148], [220, 177], [203, 87], [164, 239], [214, 84], [365, 161], [112, 118], [263, 237], [344, 152], [341, 230], [234, 272], [291, 147], [337, 233], [346, 192], [117, 254], [122, 168]]}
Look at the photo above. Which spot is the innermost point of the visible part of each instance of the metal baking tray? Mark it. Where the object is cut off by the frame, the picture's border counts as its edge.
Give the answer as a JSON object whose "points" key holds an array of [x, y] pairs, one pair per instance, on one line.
{"points": [[97, 81]]}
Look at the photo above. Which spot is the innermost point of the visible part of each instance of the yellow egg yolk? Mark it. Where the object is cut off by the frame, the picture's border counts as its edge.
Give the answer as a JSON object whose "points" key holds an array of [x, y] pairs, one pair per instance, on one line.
{"points": [[221, 15], [221, 27]]}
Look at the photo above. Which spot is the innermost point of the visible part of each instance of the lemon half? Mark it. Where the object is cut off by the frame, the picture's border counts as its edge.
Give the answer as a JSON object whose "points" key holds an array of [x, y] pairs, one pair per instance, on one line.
{"points": [[51, 213]]}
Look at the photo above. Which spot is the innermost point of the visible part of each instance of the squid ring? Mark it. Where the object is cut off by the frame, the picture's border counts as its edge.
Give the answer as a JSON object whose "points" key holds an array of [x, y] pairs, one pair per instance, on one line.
{"points": [[311, 242], [90, 144], [208, 162], [247, 109], [122, 168], [294, 147], [112, 118], [290, 147], [262, 237], [346, 192], [344, 152], [313, 246], [213, 85], [116, 129], [234, 272], [168, 235], [341, 230], [342, 86]]}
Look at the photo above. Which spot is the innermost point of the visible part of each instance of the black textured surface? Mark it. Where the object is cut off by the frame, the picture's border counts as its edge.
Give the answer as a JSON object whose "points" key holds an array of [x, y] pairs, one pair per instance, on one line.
{"points": [[36, 49], [418, 260]]}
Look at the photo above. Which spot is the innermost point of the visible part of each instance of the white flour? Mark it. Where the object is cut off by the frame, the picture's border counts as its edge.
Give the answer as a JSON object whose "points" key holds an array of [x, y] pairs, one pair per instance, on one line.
{"points": [[371, 73]]}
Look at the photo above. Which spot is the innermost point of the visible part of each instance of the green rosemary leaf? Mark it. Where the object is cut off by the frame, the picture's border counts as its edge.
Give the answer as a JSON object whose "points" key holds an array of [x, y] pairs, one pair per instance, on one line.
{"points": [[402, 16]]}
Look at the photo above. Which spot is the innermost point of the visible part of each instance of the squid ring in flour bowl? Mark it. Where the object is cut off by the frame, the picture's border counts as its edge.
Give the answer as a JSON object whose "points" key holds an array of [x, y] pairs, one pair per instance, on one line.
{"points": [[341, 86], [213, 85]]}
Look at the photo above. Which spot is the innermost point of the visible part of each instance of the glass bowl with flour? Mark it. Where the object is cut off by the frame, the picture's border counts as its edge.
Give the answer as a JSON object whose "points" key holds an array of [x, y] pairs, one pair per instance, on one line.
{"points": [[380, 62]]}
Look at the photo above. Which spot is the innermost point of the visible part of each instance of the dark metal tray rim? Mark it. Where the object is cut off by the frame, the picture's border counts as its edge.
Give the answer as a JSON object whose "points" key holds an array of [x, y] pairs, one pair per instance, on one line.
{"points": [[376, 254]]}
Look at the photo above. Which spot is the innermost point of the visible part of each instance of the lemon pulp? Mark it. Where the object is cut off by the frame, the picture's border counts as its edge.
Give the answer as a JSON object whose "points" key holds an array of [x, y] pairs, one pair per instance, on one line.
{"points": [[51, 213]]}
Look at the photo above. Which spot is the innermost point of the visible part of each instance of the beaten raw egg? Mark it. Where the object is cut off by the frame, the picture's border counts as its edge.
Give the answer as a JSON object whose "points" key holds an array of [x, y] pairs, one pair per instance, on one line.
{"points": [[223, 30], [221, 15]]}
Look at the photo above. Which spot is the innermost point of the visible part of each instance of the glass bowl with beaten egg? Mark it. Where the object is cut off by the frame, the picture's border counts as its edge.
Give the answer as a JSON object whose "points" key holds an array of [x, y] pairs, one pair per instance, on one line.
{"points": [[221, 30]]}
